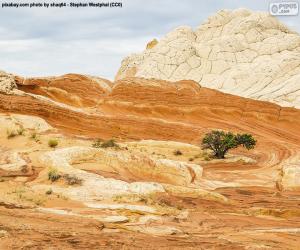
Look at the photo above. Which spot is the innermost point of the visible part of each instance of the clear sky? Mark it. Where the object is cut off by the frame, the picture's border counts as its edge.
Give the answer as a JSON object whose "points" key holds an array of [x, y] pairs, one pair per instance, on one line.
{"points": [[43, 42]]}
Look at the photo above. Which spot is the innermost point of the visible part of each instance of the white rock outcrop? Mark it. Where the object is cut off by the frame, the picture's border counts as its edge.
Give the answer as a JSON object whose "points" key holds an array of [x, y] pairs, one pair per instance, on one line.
{"points": [[7, 83], [94, 187], [13, 122], [291, 177], [12, 162], [31, 122], [250, 54]]}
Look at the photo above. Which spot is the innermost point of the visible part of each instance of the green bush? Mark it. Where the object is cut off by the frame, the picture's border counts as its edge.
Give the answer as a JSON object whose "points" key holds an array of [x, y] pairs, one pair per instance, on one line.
{"points": [[221, 142], [52, 143], [53, 175]]}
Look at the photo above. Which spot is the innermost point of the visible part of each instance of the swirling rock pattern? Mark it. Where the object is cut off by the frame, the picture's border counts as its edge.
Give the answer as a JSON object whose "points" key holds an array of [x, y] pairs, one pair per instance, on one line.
{"points": [[236, 204]]}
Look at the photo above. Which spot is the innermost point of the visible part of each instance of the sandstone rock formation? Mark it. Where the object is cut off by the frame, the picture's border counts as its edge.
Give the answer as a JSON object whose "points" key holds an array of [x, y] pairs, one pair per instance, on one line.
{"points": [[139, 192], [72, 89], [177, 111], [136, 105], [157, 187], [94, 187], [250, 54]]}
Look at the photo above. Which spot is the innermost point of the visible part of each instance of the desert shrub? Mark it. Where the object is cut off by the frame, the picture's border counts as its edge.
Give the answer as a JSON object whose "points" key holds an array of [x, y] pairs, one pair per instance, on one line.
{"points": [[109, 144], [21, 131], [191, 159], [60, 196], [177, 152], [105, 144], [34, 137], [11, 134], [97, 143], [14, 133], [53, 175], [207, 158], [49, 191], [72, 180], [161, 201], [221, 142], [52, 143]]}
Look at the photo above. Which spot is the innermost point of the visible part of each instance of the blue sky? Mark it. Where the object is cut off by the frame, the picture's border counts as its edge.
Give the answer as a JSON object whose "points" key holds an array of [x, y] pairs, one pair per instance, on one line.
{"points": [[43, 42]]}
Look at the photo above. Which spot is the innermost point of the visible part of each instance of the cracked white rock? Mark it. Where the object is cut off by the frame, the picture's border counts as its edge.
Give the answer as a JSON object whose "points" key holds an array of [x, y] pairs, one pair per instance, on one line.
{"points": [[250, 54], [7, 83]]}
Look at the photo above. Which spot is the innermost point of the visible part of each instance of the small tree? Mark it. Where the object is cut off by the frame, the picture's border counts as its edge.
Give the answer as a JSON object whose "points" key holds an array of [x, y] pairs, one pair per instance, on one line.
{"points": [[220, 142]]}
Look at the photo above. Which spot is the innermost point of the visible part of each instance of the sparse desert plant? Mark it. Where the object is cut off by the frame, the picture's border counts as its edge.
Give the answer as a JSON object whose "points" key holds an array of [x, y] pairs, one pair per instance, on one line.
{"points": [[162, 203], [117, 198], [11, 133], [60, 196], [177, 152], [53, 175], [109, 144], [97, 143], [52, 143], [21, 131], [207, 158], [34, 137], [221, 142], [49, 191], [126, 198], [72, 179], [191, 159]]}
